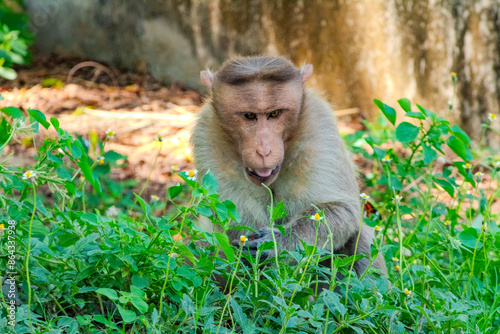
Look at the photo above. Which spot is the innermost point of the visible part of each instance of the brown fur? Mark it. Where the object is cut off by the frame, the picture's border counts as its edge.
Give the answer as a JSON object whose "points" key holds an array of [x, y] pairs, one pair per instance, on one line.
{"points": [[314, 165]]}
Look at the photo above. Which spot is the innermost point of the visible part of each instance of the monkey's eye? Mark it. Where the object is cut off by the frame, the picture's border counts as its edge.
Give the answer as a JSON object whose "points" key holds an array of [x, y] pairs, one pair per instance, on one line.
{"points": [[250, 115], [275, 113]]}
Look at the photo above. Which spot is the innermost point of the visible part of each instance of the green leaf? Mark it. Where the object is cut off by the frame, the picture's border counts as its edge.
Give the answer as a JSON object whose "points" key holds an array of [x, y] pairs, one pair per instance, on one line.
{"points": [[110, 293], [460, 148], [140, 281], [13, 112], [210, 183], [127, 315], [232, 211], [415, 114], [407, 132], [447, 186], [458, 132], [429, 154], [405, 104], [469, 237], [76, 150], [278, 211], [184, 250], [139, 304], [7, 73], [239, 315], [226, 247], [204, 210], [40, 117], [388, 111], [174, 191], [55, 123], [221, 211], [145, 206]]}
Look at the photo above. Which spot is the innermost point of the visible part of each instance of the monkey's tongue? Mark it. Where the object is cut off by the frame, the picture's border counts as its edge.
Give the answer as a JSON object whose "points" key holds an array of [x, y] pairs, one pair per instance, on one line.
{"points": [[263, 172]]}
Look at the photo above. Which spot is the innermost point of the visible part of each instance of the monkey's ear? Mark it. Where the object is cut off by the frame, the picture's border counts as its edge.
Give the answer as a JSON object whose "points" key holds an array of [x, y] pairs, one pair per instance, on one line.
{"points": [[306, 72], [207, 78]]}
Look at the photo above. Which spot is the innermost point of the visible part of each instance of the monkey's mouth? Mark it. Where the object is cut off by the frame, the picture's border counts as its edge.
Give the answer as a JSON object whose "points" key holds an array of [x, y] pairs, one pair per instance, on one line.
{"points": [[262, 174]]}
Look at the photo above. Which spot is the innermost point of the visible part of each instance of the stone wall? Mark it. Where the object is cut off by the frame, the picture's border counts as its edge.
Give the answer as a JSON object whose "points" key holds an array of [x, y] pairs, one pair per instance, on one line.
{"points": [[360, 49]]}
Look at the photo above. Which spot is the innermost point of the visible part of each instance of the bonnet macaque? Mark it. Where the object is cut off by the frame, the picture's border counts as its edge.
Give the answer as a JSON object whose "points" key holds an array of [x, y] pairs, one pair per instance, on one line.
{"points": [[261, 126]]}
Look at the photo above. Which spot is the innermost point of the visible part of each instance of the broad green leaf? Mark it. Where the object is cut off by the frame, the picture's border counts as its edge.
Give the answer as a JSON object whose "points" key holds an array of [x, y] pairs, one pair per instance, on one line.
{"points": [[232, 211], [40, 117], [388, 111], [127, 315], [278, 211], [460, 148], [469, 237], [405, 104], [429, 154], [226, 247], [55, 123], [13, 112], [110, 293], [140, 281], [458, 132], [203, 209], [184, 250], [210, 183], [239, 315], [447, 186], [221, 211], [139, 304], [415, 114], [407, 132], [174, 191]]}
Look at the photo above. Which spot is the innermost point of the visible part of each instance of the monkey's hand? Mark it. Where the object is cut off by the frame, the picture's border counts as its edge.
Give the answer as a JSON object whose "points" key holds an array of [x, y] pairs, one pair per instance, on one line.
{"points": [[256, 239]]}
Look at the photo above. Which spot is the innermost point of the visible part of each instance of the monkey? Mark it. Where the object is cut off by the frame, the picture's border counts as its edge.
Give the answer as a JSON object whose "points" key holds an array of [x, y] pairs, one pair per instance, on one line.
{"points": [[261, 126]]}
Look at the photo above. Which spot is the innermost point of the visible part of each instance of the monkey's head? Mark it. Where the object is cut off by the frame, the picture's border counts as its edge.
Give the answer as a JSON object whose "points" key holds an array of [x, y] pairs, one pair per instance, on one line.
{"points": [[258, 101]]}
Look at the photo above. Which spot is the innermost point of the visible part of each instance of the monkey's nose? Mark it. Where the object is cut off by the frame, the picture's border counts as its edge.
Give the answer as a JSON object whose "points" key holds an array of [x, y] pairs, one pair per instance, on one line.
{"points": [[264, 151]]}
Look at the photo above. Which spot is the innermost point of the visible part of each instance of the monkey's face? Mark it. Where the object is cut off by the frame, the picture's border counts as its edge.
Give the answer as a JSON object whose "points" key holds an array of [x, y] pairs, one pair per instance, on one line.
{"points": [[260, 118]]}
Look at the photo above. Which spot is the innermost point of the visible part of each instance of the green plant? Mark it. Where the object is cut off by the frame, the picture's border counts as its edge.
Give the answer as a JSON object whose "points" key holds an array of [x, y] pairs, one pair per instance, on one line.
{"points": [[14, 38], [100, 258]]}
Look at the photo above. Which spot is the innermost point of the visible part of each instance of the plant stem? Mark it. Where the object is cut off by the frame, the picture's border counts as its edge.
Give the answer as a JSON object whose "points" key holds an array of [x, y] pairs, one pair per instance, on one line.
{"points": [[28, 256]]}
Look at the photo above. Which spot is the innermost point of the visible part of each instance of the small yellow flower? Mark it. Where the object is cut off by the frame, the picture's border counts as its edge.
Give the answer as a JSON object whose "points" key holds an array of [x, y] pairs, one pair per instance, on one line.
{"points": [[2, 226], [192, 175], [316, 217], [100, 160], [453, 75], [387, 158], [29, 175], [159, 137], [479, 176], [492, 117], [398, 268], [243, 239], [408, 293], [110, 133], [395, 259], [364, 197], [398, 199], [155, 198], [447, 223], [377, 229], [174, 168], [467, 167]]}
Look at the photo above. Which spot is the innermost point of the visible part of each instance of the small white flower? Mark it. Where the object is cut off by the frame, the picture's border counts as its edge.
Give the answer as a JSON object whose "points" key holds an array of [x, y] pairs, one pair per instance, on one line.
{"points": [[447, 223], [364, 196], [316, 217], [29, 175], [467, 167], [154, 198], [377, 229], [449, 103], [159, 137], [497, 164], [110, 134], [479, 176], [387, 158], [100, 160], [408, 293], [175, 168], [398, 199], [395, 259], [243, 239], [492, 117], [192, 175], [112, 211]]}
